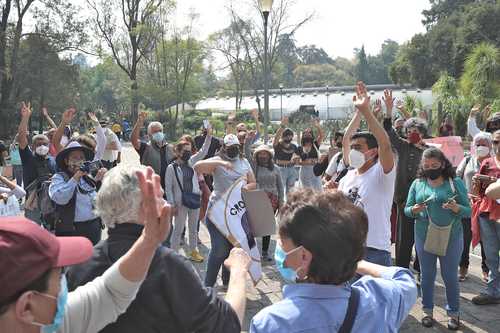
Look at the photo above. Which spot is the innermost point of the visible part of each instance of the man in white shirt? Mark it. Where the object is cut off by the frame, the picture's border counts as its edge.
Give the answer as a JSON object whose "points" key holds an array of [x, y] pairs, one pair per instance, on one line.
{"points": [[370, 184], [112, 153]]}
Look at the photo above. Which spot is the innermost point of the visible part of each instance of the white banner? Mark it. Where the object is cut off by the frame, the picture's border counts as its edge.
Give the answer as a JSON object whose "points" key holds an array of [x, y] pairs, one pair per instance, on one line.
{"points": [[230, 216]]}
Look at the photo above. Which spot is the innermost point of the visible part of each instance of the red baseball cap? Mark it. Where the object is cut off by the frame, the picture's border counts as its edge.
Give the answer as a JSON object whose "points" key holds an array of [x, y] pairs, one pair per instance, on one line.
{"points": [[27, 251]]}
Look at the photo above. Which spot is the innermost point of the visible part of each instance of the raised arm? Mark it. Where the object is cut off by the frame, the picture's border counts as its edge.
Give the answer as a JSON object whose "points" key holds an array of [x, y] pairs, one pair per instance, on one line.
{"points": [[67, 118], [100, 137], [255, 115], [472, 128], [204, 149], [319, 129], [402, 109], [207, 167], [134, 137], [397, 142], [49, 120], [348, 133], [22, 131], [362, 103]]}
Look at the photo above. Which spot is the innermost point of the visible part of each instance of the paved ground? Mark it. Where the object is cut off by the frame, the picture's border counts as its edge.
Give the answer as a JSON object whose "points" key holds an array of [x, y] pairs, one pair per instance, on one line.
{"points": [[268, 290]]}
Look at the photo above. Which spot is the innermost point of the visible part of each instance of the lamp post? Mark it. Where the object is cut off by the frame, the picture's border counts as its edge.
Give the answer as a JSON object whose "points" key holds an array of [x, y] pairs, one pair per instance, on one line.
{"points": [[281, 101], [327, 103], [265, 7]]}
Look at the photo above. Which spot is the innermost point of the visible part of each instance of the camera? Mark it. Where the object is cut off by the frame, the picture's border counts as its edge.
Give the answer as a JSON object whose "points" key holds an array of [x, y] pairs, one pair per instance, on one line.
{"points": [[90, 167]]}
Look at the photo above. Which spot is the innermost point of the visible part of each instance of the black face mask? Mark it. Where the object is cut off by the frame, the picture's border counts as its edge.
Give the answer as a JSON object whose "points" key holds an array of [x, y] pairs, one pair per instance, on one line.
{"points": [[233, 151], [263, 161], [338, 144], [186, 155], [287, 140], [307, 140], [433, 174]]}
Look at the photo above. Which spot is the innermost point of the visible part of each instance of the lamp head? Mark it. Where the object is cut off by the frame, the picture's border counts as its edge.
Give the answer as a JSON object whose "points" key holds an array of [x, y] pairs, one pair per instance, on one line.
{"points": [[266, 5]]}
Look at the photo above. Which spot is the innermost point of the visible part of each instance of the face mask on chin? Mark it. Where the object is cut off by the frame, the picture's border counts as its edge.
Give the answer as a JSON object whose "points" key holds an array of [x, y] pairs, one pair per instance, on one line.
{"points": [[42, 150]]}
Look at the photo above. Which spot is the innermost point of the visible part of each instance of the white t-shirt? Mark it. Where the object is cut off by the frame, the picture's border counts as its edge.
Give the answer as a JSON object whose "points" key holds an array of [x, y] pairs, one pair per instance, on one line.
{"points": [[374, 192], [336, 165], [224, 178], [111, 155]]}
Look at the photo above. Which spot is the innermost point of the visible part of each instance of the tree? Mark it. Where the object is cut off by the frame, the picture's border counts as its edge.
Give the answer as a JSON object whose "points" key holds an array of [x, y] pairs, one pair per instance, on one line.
{"points": [[311, 55], [361, 65], [129, 35]]}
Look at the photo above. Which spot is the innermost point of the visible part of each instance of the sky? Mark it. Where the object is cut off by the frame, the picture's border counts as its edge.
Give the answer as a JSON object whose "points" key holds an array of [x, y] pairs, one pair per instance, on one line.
{"points": [[338, 26]]}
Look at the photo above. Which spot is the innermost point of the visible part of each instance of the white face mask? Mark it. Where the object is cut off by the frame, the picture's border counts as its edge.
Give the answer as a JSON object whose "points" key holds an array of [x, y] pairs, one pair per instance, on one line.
{"points": [[42, 150], [356, 159], [482, 151]]}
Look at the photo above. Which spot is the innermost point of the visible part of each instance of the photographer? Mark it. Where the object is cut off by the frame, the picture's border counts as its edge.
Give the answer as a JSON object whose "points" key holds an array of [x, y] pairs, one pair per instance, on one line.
{"points": [[74, 191]]}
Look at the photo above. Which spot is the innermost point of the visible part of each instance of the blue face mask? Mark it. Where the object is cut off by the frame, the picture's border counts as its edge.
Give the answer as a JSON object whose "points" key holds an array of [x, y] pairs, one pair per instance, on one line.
{"points": [[62, 299], [280, 255], [158, 137]]}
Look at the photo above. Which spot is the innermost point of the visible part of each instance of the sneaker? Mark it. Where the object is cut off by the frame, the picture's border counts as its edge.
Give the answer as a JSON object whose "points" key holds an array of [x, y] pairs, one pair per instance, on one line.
{"points": [[428, 321], [485, 276], [485, 299], [266, 257], [196, 256], [453, 323], [462, 275]]}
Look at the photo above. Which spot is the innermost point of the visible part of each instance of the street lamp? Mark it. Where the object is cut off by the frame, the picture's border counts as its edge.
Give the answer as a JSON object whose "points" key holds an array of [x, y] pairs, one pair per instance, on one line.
{"points": [[265, 7], [281, 101], [327, 103]]}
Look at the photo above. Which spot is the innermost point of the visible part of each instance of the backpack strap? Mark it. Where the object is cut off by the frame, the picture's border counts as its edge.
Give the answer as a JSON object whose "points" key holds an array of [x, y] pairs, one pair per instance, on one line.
{"points": [[177, 176], [452, 185], [352, 310]]}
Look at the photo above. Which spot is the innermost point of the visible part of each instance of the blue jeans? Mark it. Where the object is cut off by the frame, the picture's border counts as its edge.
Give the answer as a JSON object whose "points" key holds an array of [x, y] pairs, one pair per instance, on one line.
{"points": [[379, 257], [449, 272], [219, 251], [288, 177], [490, 235]]}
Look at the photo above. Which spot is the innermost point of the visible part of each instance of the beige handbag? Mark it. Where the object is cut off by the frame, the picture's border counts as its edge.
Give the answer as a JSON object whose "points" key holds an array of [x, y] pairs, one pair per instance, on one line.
{"points": [[437, 239]]}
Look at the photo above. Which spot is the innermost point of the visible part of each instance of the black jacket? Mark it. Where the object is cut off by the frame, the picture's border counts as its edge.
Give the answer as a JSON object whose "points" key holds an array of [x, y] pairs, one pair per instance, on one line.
{"points": [[171, 298]]}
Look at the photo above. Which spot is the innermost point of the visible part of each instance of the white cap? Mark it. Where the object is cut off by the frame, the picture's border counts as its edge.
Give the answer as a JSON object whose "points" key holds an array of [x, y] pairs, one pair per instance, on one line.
{"points": [[231, 139]]}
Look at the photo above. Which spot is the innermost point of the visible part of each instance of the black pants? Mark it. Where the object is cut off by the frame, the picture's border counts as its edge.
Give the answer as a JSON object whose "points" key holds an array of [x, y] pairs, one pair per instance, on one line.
{"points": [[89, 229], [464, 262], [266, 240], [405, 240]]}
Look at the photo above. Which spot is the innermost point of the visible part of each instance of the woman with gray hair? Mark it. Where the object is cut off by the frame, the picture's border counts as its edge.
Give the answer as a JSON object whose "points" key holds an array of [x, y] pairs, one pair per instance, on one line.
{"points": [[480, 150]]}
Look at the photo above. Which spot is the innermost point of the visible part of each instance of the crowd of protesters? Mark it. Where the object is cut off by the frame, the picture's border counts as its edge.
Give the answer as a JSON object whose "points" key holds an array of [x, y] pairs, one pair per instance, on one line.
{"points": [[333, 241]]}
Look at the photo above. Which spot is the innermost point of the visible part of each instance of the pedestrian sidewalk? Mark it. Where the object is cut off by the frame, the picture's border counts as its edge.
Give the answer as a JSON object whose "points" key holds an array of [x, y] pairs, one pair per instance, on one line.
{"points": [[474, 318]]}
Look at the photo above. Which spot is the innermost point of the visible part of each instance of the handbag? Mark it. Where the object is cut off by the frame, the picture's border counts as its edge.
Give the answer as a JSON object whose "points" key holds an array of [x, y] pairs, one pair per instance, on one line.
{"points": [[189, 200], [438, 237]]}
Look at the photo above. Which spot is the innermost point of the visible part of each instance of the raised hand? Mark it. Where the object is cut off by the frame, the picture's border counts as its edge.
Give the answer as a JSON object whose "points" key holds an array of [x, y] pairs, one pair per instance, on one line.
{"points": [[377, 110], [316, 122], [388, 99], [475, 110], [93, 117], [400, 105], [68, 115], [155, 213], [487, 112], [255, 114], [238, 260], [250, 136], [362, 99], [142, 116], [231, 116], [45, 112], [25, 110]]}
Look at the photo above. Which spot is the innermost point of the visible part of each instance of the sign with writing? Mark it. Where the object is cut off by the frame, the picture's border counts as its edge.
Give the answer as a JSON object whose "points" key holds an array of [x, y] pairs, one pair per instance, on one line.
{"points": [[451, 146], [230, 217]]}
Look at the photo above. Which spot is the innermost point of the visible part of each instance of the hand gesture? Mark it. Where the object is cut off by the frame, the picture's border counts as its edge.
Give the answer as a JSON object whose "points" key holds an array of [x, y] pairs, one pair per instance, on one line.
{"points": [[418, 208], [155, 213], [93, 118], [255, 114], [142, 116], [25, 110], [68, 116], [238, 260], [231, 116], [100, 174], [475, 110], [45, 112], [377, 110], [487, 112], [250, 136], [400, 105], [362, 100], [388, 100], [284, 121]]}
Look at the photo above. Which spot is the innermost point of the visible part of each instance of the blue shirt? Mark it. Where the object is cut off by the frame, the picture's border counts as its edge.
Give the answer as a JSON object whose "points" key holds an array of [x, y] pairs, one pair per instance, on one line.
{"points": [[61, 192], [309, 308]]}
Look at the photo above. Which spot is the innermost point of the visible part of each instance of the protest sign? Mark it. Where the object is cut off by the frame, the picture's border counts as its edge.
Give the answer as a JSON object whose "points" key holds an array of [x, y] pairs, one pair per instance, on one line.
{"points": [[451, 146], [230, 217]]}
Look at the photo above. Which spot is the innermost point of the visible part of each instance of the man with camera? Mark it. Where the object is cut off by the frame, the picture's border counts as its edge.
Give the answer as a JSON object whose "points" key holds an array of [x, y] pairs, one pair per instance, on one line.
{"points": [[73, 191]]}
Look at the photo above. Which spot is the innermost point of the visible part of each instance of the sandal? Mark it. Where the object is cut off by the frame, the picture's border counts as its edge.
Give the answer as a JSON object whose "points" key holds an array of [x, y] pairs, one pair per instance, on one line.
{"points": [[427, 321], [453, 323]]}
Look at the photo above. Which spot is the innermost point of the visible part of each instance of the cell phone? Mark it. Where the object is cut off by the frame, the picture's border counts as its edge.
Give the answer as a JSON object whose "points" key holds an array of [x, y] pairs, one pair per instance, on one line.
{"points": [[206, 124], [484, 178], [451, 199]]}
